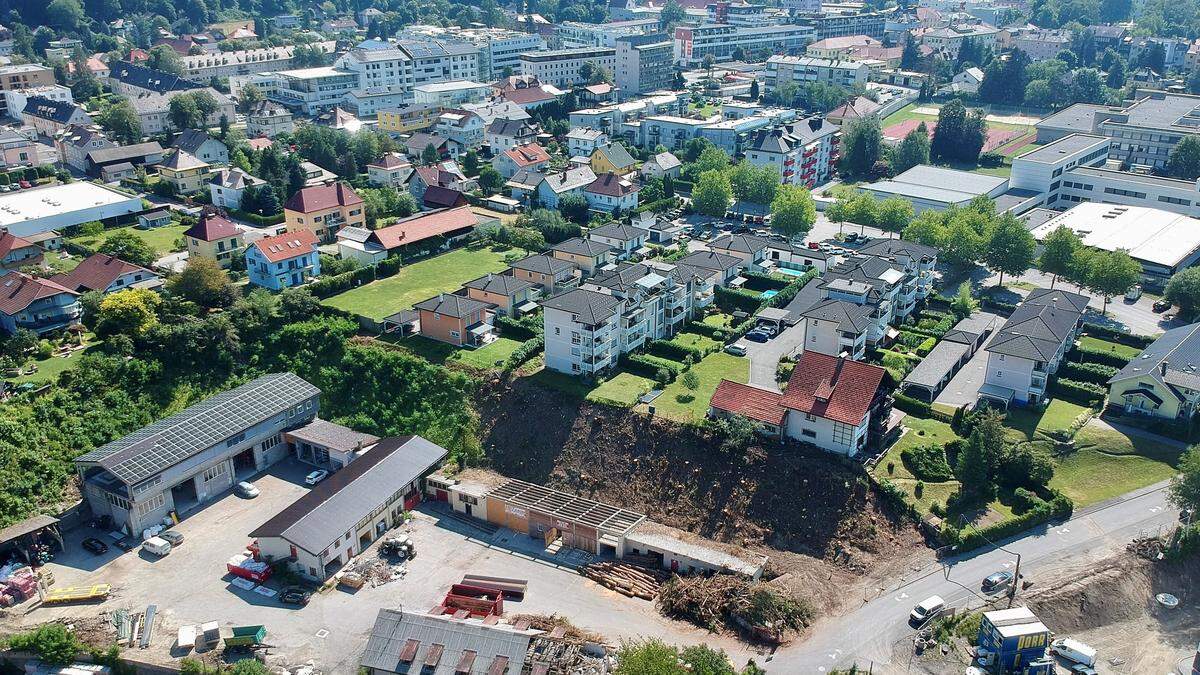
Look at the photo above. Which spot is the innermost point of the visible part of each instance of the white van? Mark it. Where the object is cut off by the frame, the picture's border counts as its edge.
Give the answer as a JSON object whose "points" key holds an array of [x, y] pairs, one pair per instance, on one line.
{"points": [[1074, 650], [157, 545], [927, 608]]}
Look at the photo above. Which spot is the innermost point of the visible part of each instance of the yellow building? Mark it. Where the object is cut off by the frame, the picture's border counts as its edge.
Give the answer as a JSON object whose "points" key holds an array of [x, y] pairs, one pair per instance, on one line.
{"points": [[215, 237], [1161, 382], [185, 171], [324, 209], [408, 119], [612, 158]]}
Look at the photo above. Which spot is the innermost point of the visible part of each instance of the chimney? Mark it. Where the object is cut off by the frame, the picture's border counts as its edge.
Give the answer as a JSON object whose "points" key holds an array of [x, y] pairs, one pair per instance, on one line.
{"points": [[815, 123], [1162, 367]]}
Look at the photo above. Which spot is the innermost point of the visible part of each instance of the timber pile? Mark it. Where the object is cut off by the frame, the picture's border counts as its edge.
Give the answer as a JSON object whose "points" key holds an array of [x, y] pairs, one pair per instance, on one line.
{"points": [[627, 579], [704, 601]]}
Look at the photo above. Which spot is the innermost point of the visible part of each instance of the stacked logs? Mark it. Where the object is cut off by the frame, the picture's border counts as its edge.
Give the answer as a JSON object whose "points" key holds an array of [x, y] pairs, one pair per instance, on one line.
{"points": [[631, 580]]}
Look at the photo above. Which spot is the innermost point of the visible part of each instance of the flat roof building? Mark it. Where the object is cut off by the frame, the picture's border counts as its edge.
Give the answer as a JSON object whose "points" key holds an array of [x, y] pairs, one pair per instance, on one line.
{"points": [[932, 187], [56, 207]]}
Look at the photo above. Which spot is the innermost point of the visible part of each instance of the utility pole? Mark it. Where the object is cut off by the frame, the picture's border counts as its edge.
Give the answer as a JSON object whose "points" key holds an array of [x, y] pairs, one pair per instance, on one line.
{"points": [[1012, 588]]}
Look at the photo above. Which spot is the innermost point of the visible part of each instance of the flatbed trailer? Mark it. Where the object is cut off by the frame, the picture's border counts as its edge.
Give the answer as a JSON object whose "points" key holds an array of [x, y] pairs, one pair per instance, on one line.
{"points": [[67, 594], [246, 636]]}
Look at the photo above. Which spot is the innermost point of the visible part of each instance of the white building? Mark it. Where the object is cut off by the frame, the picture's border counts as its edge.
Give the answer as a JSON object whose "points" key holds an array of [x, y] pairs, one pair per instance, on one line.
{"points": [[583, 141], [58, 207], [644, 64], [202, 67], [804, 153], [227, 186], [1029, 347], [1040, 44], [368, 102], [268, 119], [948, 40], [450, 94], [720, 41], [499, 49], [805, 69], [308, 91], [575, 34], [934, 187], [561, 67]]}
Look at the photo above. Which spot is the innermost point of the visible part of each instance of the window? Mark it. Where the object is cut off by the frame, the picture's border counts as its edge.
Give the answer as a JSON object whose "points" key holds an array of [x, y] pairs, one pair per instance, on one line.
{"points": [[235, 440], [808, 433], [842, 433], [148, 506], [117, 501]]}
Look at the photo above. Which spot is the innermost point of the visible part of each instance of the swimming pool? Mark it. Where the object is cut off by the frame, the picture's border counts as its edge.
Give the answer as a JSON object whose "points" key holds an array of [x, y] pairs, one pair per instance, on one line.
{"points": [[769, 294], [790, 272]]}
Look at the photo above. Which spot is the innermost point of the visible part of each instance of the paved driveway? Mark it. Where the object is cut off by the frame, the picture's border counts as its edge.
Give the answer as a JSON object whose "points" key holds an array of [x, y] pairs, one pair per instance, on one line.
{"points": [[964, 386], [764, 356]]}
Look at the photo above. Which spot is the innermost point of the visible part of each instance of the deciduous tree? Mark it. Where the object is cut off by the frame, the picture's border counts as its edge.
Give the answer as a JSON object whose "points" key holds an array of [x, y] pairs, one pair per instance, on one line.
{"points": [[712, 194], [203, 282], [1184, 161], [793, 210], [129, 312], [1011, 248], [128, 247], [1112, 273], [1058, 251], [1183, 291]]}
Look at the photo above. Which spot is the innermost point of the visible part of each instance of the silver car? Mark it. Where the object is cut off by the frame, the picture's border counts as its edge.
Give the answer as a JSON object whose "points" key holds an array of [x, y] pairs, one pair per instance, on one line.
{"points": [[244, 489]]}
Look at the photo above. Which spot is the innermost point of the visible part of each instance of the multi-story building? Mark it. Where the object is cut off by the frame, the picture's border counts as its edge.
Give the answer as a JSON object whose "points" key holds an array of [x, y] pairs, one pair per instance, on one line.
{"points": [[499, 49], [582, 331], [153, 110], [268, 119], [1142, 133], [720, 41], [283, 260], [378, 68], [25, 76], [804, 153], [36, 304], [555, 186], [185, 172], [561, 67], [743, 14], [450, 94], [12, 101], [1029, 347], [669, 131], [368, 102], [575, 34], [227, 186], [18, 149], [307, 90], [462, 130], [805, 69], [435, 61], [840, 48], [947, 41], [644, 63], [830, 25], [131, 79], [324, 209], [1161, 381], [215, 237], [202, 67], [406, 120], [1040, 44]]}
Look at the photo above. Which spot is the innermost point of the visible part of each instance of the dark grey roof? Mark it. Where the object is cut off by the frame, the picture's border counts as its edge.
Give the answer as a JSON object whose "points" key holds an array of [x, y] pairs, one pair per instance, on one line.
{"points": [[506, 127], [711, 260], [592, 307], [940, 362], [617, 155], [49, 109], [317, 519], [618, 231], [1039, 325], [125, 153], [149, 79], [849, 316], [1179, 350], [334, 436], [402, 642], [191, 140], [898, 249], [542, 264], [173, 439], [448, 304], [581, 246], [626, 275], [742, 243], [503, 284]]}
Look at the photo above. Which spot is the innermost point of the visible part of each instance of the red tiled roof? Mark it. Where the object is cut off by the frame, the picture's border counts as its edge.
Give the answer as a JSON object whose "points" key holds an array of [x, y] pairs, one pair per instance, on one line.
{"points": [[834, 388], [287, 245], [437, 196], [742, 399], [527, 96], [612, 185], [212, 227], [260, 143], [322, 197], [427, 225], [527, 155], [96, 273], [391, 160], [9, 242], [18, 290]]}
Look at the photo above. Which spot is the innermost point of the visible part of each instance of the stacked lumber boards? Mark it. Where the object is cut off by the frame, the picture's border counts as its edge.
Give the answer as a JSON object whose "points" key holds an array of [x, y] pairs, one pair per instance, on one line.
{"points": [[512, 589], [632, 580]]}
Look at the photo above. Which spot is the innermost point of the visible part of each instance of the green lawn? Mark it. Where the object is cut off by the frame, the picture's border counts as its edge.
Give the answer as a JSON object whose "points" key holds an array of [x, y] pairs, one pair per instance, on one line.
{"points": [[419, 281], [678, 403], [161, 239], [718, 320], [49, 369], [1107, 463], [920, 432], [440, 352], [696, 340], [623, 390], [572, 385], [1030, 423], [56, 261], [1104, 345]]}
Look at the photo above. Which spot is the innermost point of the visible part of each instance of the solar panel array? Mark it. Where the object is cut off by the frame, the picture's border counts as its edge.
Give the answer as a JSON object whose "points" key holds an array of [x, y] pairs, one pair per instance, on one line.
{"points": [[567, 506], [171, 440]]}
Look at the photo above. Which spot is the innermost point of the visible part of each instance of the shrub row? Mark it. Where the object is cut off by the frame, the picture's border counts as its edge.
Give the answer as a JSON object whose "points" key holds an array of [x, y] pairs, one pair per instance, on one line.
{"points": [[527, 350], [665, 204], [767, 281], [673, 351], [911, 405], [1084, 393], [1120, 337], [1096, 373], [1004, 308], [327, 286], [261, 221], [733, 300], [514, 328], [1102, 356], [706, 330], [1059, 506], [648, 365], [788, 293]]}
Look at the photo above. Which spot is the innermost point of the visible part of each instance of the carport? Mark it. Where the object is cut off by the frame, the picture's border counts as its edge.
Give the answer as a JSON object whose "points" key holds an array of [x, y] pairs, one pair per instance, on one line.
{"points": [[776, 316], [934, 371], [23, 536], [997, 395]]}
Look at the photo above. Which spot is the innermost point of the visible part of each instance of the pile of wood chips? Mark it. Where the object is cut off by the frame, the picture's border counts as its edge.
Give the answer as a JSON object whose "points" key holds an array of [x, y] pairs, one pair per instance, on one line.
{"points": [[704, 601], [635, 581]]}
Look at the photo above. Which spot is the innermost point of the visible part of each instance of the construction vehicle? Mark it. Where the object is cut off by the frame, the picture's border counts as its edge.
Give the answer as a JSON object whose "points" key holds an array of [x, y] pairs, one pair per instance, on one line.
{"points": [[57, 596], [399, 546]]}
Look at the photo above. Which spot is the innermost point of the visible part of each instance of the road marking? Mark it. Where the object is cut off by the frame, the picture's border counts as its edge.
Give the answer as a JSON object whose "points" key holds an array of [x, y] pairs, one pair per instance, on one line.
{"points": [[832, 657], [1065, 530], [1155, 509], [902, 596], [1007, 565], [322, 633]]}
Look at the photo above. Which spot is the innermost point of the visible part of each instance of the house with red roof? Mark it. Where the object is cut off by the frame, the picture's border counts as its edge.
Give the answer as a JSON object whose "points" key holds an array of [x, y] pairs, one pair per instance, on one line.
{"points": [[17, 252], [324, 209], [528, 157], [610, 192], [39, 305], [446, 226], [284, 260], [832, 402], [107, 274], [445, 174], [216, 237]]}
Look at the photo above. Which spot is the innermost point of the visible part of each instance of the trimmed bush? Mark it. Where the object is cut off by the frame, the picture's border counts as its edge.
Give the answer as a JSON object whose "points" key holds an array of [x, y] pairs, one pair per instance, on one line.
{"points": [[650, 366], [527, 350], [1024, 500], [1096, 373], [926, 346], [1084, 393], [514, 329], [1120, 337], [673, 350], [927, 462], [911, 405], [706, 330], [733, 300]]}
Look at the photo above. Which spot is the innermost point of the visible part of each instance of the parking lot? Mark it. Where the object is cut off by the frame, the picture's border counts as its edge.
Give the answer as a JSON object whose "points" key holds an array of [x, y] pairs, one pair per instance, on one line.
{"points": [[191, 585]]}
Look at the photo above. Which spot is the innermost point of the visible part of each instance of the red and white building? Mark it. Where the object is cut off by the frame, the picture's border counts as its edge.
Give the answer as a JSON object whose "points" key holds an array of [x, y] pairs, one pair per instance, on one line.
{"points": [[610, 192], [528, 157], [804, 153]]}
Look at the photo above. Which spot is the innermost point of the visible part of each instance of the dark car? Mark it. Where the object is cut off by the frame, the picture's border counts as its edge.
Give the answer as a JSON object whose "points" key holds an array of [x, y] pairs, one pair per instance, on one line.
{"points": [[997, 580], [95, 546], [757, 336], [294, 595], [1161, 306]]}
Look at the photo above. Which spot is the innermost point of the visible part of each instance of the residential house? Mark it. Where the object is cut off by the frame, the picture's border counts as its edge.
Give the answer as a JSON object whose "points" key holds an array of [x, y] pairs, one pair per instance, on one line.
{"points": [[39, 305], [857, 108], [438, 197], [662, 230], [557, 185], [612, 158], [966, 82], [227, 186], [216, 237], [456, 319], [1162, 381], [624, 239], [582, 142], [508, 295], [75, 142], [611, 192], [444, 175], [503, 134], [50, 117], [390, 170], [523, 185], [581, 328], [416, 143], [661, 165], [202, 146], [751, 249], [832, 402], [268, 119], [315, 175], [283, 260], [462, 130], [107, 274], [1029, 347], [148, 220], [184, 171], [528, 157], [588, 255], [324, 209], [17, 252], [446, 227], [549, 274], [50, 240]]}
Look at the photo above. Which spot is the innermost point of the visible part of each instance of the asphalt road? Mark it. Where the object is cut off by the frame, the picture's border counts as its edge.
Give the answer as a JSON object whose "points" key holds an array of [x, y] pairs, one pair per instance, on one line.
{"points": [[867, 635]]}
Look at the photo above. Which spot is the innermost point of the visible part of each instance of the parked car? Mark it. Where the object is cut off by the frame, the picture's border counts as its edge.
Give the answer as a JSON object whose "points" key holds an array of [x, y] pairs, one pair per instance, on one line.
{"points": [[1074, 651], [814, 246], [736, 350], [316, 476], [157, 545], [294, 595], [25, 185], [926, 609], [1161, 305], [173, 536], [768, 328], [1134, 292], [757, 336], [996, 580], [244, 489], [95, 546]]}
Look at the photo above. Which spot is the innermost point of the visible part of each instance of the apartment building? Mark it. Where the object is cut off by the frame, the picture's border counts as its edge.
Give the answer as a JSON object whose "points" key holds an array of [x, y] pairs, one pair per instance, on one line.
{"points": [[720, 41], [406, 120], [827, 25], [1040, 44], [324, 209], [437, 61], [378, 68], [268, 119], [561, 67], [368, 102], [805, 69], [743, 14], [13, 101], [308, 91], [804, 153], [947, 41], [581, 328], [644, 63], [450, 94], [576, 34], [1029, 347], [499, 49], [670, 131], [25, 76], [202, 67]]}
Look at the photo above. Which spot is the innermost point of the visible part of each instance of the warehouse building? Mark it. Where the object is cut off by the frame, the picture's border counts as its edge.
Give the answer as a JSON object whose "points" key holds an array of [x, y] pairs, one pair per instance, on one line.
{"points": [[184, 460], [342, 515], [56, 207], [932, 187]]}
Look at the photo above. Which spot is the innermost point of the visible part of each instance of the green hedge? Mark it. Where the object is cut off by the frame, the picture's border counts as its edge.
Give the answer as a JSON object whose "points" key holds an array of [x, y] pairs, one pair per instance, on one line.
{"points": [[261, 221], [1101, 356], [928, 462], [527, 350], [665, 204], [1096, 373], [647, 365], [1085, 393], [1120, 337], [1059, 506], [706, 330], [789, 292], [514, 328], [733, 300], [769, 282], [673, 351], [911, 405]]}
